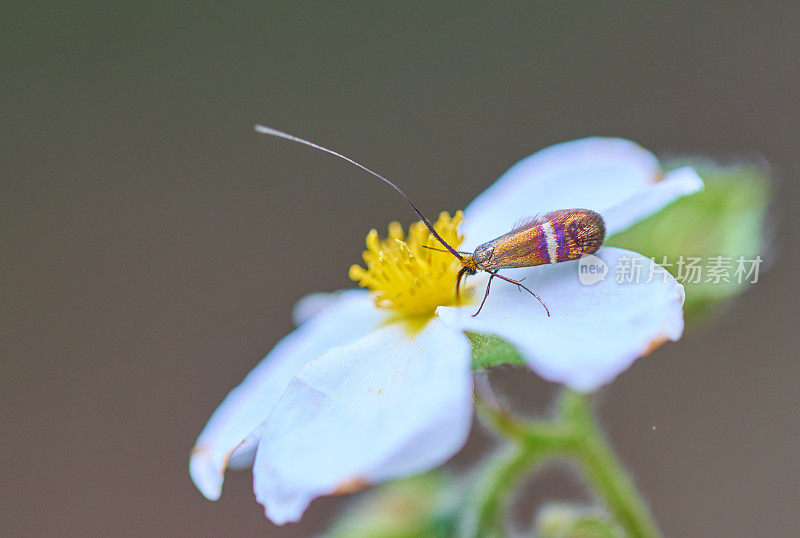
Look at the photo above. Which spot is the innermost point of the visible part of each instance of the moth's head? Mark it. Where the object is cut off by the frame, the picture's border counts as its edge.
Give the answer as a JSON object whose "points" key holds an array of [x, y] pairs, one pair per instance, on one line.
{"points": [[468, 265]]}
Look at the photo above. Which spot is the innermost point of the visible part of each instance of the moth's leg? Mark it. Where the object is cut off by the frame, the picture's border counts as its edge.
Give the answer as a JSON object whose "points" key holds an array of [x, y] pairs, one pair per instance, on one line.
{"points": [[521, 285], [485, 295], [461, 273]]}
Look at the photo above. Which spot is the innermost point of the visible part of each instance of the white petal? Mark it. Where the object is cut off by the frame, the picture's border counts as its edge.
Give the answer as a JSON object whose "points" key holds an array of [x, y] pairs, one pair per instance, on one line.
{"points": [[591, 173], [313, 303], [350, 317], [595, 331], [652, 198], [390, 404]]}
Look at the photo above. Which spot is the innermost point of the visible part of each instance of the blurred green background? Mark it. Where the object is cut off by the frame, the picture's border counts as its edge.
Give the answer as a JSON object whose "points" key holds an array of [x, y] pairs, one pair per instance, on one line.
{"points": [[153, 245]]}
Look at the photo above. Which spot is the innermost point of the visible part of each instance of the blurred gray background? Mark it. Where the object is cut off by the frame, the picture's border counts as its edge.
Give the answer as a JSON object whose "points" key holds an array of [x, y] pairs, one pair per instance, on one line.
{"points": [[153, 245]]}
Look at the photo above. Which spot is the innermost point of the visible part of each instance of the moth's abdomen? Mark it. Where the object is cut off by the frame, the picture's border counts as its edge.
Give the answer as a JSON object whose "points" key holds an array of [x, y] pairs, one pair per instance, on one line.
{"points": [[554, 237]]}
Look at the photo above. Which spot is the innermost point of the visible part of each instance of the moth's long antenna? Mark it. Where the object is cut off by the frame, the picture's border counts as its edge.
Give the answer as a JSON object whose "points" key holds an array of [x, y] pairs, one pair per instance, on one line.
{"points": [[274, 132], [443, 250]]}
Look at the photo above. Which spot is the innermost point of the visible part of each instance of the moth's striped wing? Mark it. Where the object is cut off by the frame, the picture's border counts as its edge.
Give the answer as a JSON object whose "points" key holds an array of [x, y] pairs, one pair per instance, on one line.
{"points": [[557, 236]]}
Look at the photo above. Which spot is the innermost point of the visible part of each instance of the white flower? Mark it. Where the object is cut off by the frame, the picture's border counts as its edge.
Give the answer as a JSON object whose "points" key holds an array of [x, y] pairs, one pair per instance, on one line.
{"points": [[377, 384]]}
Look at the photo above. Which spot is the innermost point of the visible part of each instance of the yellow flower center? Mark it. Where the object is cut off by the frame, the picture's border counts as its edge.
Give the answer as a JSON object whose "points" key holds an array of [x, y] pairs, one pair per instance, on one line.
{"points": [[405, 276]]}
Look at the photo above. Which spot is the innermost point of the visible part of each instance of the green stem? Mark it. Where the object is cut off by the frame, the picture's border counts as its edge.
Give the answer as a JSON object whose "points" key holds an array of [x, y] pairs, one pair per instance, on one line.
{"points": [[532, 442], [502, 474], [604, 471], [575, 434]]}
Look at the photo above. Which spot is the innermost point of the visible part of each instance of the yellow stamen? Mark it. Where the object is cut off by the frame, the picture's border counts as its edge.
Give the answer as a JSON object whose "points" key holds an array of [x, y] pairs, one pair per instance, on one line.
{"points": [[406, 277]]}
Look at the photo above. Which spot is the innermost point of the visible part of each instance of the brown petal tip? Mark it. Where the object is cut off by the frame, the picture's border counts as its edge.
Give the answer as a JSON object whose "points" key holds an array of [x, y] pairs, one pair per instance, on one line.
{"points": [[655, 343], [352, 485]]}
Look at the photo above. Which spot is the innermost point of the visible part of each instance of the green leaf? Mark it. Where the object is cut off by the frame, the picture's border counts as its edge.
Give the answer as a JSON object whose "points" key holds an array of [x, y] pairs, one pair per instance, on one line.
{"points": [[489, 350], [726, 219]]}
